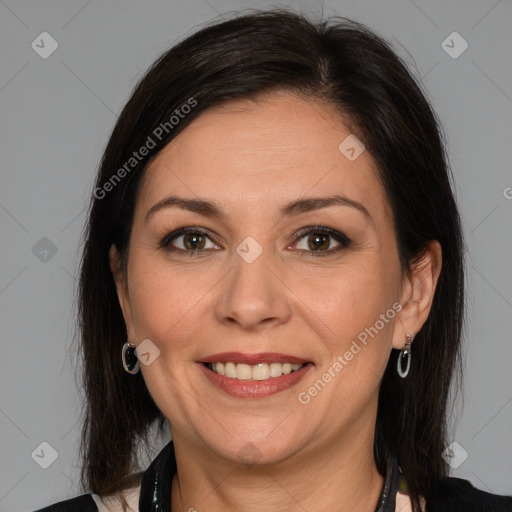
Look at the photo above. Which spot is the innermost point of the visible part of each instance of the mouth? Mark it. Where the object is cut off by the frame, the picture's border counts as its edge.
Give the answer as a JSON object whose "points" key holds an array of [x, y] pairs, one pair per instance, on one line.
{"points": [[253, 375]]}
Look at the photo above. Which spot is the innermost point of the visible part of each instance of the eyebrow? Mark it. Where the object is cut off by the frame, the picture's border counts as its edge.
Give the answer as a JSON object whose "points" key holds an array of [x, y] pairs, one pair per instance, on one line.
{"points": [[210, 209]]}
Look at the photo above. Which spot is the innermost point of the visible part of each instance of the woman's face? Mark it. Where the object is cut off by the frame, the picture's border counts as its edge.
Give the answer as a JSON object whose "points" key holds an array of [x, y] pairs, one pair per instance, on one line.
{"points": [[264, 281]]}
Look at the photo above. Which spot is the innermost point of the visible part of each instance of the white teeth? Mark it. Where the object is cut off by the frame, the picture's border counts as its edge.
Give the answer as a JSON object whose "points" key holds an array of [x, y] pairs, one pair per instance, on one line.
{"points": [[243, 371], [276, 369], [230, 370], [260, 371]]}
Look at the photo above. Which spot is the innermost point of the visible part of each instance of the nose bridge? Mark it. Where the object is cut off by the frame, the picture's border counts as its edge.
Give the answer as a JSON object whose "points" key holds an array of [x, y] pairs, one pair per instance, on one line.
{"points": [[252, 294]]}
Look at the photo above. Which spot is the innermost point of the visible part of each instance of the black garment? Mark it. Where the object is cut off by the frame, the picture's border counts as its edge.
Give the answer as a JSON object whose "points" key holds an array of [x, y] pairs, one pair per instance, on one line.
{"points": [[453, 495]]}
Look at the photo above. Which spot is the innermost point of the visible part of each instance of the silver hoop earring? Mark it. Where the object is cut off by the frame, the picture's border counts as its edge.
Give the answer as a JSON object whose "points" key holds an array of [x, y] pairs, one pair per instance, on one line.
{"points": [[129, 358], [405, 352]]}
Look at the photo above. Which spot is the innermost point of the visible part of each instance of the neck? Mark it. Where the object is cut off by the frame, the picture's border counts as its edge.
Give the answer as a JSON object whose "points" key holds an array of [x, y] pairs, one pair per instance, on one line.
{"points": [[339, 475]]}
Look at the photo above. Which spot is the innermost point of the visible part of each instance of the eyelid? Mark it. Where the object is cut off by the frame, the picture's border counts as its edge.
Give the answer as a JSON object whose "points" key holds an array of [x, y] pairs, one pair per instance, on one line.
{"points": [[319, 228], [168, 237], [343, 240]]}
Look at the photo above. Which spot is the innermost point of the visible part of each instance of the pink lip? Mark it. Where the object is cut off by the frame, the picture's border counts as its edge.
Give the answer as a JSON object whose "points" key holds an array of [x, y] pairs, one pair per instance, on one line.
{"points": [[254, 388], [252, 359]]}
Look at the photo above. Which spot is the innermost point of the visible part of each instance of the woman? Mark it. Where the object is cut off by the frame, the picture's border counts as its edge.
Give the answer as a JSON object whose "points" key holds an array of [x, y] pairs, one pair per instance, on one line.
{"points": [[303, 350]]}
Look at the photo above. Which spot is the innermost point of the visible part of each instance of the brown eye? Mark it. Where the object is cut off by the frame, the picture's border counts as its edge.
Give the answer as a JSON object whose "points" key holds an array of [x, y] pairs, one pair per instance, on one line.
{"points": [[318, 239], [189, 240], [194, 241]]}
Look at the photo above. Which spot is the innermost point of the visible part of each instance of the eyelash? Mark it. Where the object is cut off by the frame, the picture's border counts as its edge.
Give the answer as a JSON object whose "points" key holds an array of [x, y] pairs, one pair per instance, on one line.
{"points": [[341, 238]]}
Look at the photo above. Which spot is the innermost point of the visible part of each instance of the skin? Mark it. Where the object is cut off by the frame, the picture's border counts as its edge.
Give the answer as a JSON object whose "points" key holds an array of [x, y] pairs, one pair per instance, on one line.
{"points": [[252, 157]]}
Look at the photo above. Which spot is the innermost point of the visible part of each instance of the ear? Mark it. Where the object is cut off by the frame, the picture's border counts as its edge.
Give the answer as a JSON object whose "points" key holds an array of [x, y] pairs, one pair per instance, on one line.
{"points": [[418, 294], [120, 280]]}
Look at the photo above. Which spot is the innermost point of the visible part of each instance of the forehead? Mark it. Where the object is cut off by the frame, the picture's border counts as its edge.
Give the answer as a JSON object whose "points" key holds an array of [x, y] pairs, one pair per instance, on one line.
{"points": [[267, 151]]}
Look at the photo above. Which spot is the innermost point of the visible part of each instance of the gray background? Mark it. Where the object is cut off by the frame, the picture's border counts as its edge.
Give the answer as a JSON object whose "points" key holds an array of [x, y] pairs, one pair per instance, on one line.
{"points": [[56, 116]]}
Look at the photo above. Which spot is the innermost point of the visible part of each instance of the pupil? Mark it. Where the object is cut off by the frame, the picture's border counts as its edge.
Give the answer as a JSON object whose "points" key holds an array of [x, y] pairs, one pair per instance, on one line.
{"points": [[195, 240], [319, 241]]}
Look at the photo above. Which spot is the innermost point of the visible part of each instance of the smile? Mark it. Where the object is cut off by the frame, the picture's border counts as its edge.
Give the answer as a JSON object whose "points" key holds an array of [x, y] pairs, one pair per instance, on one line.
{"points": [[261, 371], [253, 375]]}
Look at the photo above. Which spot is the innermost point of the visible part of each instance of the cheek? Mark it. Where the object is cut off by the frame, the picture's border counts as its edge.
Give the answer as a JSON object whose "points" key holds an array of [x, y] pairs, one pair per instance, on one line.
{"points": [[355, 355], [348, 298], [168, 305], [356, 309], [156, 297]]}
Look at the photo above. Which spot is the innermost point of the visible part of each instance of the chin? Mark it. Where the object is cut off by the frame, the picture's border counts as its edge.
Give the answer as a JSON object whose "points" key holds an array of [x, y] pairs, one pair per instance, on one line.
{"points": [[258, 451]]}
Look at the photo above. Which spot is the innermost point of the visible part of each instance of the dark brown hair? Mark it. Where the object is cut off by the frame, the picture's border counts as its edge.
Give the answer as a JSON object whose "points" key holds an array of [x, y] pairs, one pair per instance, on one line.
{"points": [[352, 69]]}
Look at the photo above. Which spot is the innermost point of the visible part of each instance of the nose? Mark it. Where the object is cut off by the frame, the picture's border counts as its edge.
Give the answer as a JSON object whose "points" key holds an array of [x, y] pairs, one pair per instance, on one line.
{"points": [[255, 295]]}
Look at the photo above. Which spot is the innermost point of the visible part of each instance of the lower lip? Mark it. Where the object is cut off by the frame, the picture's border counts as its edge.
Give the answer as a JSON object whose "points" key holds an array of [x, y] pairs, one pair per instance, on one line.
{"points": [[254, 388]]}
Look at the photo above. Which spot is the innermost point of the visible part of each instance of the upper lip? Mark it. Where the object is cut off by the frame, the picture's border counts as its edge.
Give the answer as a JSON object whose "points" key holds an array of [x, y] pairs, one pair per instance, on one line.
{"points": [[252, 359]]}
